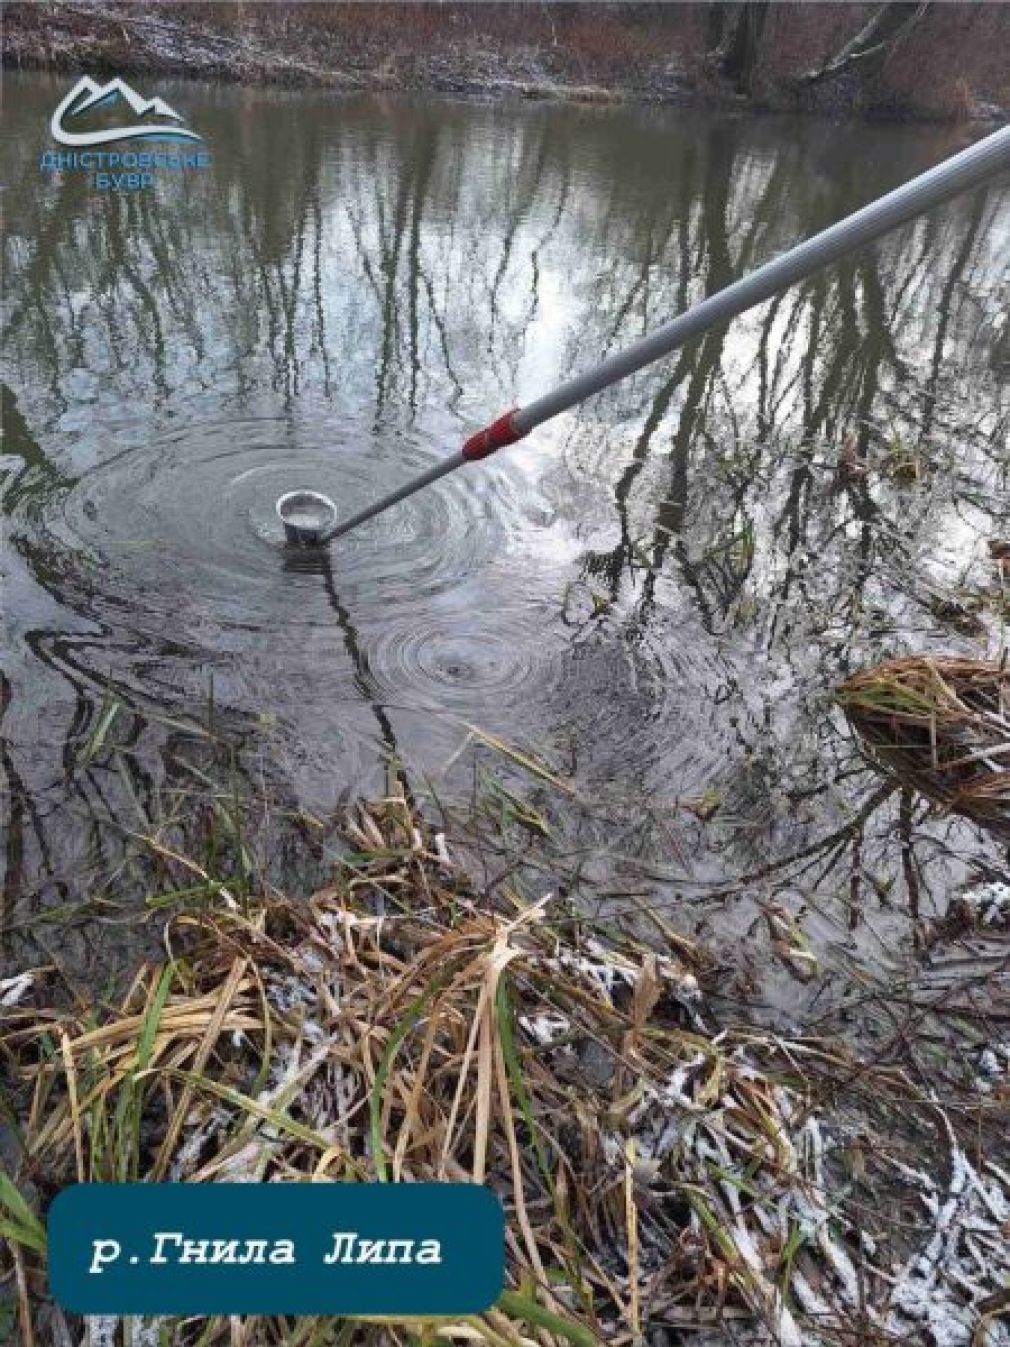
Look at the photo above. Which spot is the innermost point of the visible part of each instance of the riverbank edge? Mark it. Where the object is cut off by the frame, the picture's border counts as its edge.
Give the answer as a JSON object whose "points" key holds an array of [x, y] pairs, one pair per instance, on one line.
{"points": [[216, 1066], [134, 45]]}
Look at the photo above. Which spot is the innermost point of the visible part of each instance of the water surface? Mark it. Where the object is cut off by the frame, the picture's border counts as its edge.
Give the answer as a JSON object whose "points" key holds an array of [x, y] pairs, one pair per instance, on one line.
{"points": [[655, 594]]}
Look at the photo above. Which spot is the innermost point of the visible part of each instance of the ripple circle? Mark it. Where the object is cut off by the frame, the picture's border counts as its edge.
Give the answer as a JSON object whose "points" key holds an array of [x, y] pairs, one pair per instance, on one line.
{"points": [[470, 662], [190, 520]]}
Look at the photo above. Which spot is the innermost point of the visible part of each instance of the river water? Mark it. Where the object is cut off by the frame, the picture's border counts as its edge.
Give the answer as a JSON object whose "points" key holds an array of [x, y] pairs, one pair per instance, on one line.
{"points": [[654, 595]]}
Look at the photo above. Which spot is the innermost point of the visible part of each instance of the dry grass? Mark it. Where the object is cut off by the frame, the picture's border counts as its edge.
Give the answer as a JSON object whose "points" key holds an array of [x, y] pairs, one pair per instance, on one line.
{"points": [[940, 725], [653, 1170]]}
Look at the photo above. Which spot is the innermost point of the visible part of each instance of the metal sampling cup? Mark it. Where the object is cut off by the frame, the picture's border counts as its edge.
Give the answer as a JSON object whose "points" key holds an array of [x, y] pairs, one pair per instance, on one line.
{"points": [[307, 517]]}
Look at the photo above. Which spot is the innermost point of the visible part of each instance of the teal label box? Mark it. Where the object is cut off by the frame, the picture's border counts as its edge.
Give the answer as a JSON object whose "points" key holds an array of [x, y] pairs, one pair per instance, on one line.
{"points": [[276, 1248]]}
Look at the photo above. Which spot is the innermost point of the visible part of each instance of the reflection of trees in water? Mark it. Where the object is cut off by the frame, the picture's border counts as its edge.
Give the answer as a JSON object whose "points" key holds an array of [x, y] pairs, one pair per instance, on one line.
{"points": [[774, 399], [394, 257], [413, 242]]}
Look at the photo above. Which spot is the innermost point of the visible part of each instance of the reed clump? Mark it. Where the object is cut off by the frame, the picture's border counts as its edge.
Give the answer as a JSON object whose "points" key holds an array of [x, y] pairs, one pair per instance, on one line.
{"points": [[400, 1026], [939, 725]]}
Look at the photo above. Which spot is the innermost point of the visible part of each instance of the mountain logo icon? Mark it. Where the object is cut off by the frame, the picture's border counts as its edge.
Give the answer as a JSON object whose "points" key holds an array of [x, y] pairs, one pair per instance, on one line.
{"points": [[87, 94]]}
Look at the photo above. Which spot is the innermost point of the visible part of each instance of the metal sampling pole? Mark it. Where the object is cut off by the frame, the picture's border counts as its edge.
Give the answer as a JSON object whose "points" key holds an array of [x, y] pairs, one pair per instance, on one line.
{"points": [[962, 171]]}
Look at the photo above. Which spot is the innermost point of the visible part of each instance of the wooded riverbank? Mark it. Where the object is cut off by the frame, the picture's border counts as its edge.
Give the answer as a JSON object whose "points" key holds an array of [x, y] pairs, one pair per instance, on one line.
{"points": [[844, 59]]}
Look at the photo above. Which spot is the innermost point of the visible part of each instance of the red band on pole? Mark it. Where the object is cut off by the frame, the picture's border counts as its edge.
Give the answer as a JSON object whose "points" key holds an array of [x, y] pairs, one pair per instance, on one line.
{"points": [[495, 436]]}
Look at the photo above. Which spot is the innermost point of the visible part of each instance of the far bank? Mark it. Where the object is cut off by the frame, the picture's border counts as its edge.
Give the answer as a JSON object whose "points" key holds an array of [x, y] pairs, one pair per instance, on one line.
{"points": [[843, 60]]}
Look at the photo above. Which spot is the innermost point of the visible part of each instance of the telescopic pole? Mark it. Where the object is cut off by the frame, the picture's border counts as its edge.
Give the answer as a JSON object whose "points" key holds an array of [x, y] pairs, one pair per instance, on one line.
{"points": [[962, 171]]}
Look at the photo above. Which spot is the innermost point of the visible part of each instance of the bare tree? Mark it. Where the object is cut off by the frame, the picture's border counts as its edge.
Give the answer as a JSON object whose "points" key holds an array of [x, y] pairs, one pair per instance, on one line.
{"points": [[869, 48], [734, 40]]}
